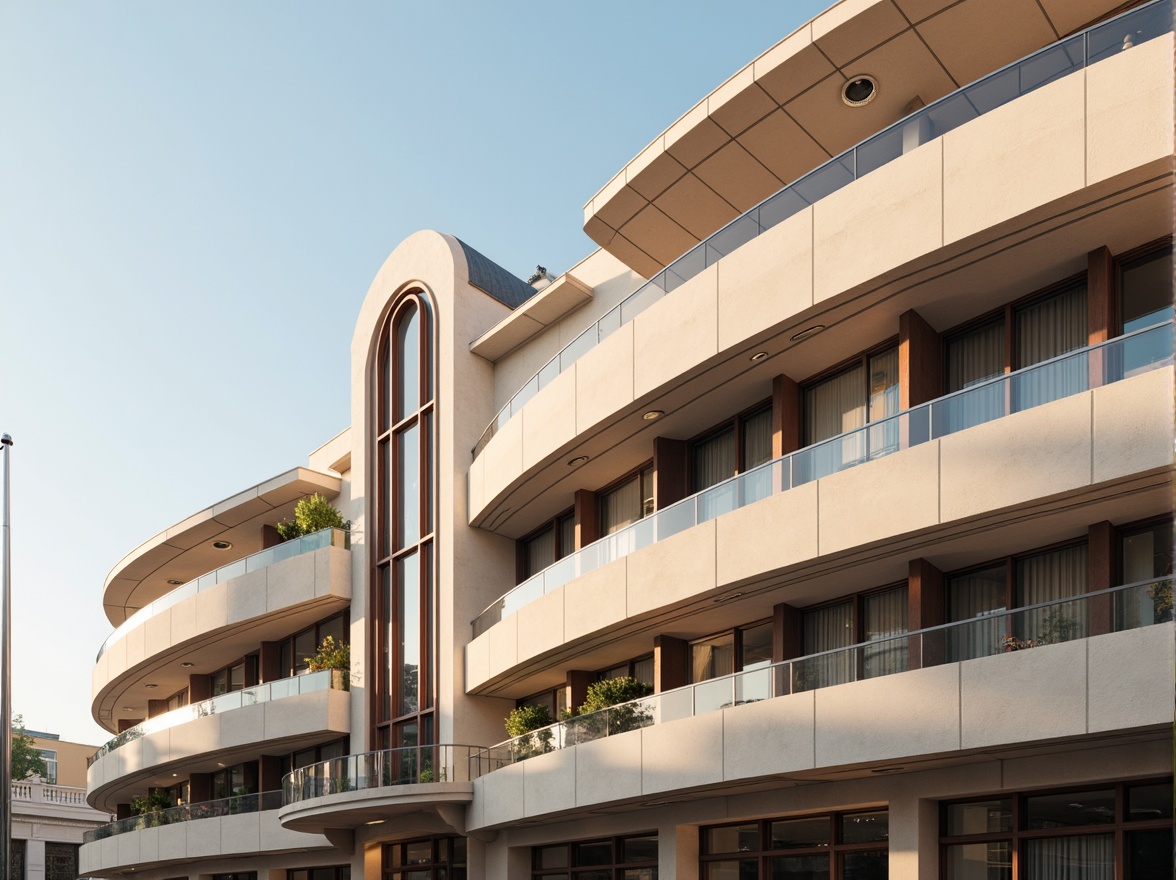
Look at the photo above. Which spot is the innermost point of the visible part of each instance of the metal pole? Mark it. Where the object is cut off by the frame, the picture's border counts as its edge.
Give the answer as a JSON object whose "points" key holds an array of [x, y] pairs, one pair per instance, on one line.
{"points": [[6, 673]]}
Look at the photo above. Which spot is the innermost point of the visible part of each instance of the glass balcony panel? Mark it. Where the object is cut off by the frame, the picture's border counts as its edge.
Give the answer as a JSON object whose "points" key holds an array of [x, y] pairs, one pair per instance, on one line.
{"points": [[608, 324], [675, 704], [560, 573], [886, 146], [524, 394], [676, 518], [1127, 31], [753, 686], [710, 696], [577, 348], [718, 500], [732, 236], [969, 408], [784, 204], [524, 594], [1048, 382], [685, 267], [645, 296], [826, 180]]}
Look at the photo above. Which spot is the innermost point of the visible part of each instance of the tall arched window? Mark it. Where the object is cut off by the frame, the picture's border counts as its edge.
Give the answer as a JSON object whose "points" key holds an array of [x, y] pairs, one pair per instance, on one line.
{"points": [[404, 567]]}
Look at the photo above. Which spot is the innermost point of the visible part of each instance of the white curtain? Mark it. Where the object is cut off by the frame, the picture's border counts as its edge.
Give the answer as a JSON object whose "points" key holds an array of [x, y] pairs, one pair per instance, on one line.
{"points": [[621, 506], [885, 616], [1045, 330], [975, 596], [1057, 574], [712, 658], [972, 358], [1070, 858], [539, 552], [832, 408], [883, 402], [824, 630]]}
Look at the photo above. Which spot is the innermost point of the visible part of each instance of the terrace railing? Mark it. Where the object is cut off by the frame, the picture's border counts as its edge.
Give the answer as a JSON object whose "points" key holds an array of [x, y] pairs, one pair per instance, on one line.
{"points": [[262, 559], [231, 806], [313, 682], [1072, 373], [935, 120], [412, 765], [1000, 631]]}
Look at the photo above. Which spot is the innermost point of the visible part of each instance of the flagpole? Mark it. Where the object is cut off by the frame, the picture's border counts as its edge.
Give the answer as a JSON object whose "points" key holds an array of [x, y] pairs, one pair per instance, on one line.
{"points": [[6, 674]]}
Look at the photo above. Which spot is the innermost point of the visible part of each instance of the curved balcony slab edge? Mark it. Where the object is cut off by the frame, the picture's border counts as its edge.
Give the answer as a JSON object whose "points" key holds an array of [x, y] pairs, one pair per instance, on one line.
{"points": [[351, 809], [1071, 695], [304, 718], [1078, 445], [266, 604], [924, 207], [204, 839]]}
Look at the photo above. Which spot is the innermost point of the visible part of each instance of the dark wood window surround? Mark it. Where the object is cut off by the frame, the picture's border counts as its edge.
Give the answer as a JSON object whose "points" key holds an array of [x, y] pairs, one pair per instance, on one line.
{"points": [[554, 524], [735, 424], [631, 855], [1013, 812]]}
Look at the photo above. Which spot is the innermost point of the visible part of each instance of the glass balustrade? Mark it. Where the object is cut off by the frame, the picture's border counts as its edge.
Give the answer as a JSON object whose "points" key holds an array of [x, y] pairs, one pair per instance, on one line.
{"points": [[412, 765], [232, 806], [310, 683], [278, 553], [1121, 608], [1072, 373], [935, 120]]}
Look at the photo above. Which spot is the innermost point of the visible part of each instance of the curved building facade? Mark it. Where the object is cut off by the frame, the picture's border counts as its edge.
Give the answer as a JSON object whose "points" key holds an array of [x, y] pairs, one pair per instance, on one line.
{"points": [[852, 444]]}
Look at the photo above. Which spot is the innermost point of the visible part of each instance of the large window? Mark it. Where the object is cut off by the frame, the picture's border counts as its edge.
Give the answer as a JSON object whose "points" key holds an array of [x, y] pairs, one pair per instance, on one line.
{"points": [[1097, 833], [335, 872], [736, 447], [868, 617], [626, 858], [626, 502], [50, 756], [433, 858], [1145, 553], [297, 649], [845, 846], [744, 649], [545, 545], [404, 576], [982, 593]]}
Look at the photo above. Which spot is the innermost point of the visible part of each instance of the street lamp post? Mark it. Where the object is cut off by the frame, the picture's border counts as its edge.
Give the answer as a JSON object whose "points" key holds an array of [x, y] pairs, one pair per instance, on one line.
{"points": [[6, 672]]}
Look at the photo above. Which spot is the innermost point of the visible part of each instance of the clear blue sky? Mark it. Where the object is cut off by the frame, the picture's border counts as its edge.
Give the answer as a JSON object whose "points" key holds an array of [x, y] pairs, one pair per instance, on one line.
{"points": [[194, 198]]}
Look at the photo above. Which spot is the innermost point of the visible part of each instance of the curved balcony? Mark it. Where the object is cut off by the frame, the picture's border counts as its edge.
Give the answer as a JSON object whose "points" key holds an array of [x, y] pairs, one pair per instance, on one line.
{"points": [[1067, 671], [225, 613], [1093, 367], [231, 827], [357, 789], [254, 562], [935, 120], [291, 713]]}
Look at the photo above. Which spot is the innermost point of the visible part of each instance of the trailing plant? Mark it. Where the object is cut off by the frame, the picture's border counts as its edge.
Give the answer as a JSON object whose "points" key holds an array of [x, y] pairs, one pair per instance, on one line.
{"points": [[529, 727], [330, 655], [155, 801], [311, 514]]}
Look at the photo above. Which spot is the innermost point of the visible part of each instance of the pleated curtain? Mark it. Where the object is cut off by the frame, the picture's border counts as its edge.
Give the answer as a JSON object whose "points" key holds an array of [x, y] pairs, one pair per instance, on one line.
{"points": [[972, 358], [1045, 330], [974, 596], [1057, 574], [885, 615], [826, 629]]}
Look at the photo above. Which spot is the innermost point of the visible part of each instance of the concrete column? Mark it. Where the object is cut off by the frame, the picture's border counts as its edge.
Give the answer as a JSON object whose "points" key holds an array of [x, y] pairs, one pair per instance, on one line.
{"points": [[914, 837], [34, 858], [677, 852]]}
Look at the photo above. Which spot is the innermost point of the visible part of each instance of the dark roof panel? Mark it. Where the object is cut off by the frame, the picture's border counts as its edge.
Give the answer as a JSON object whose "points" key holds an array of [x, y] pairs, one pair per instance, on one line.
{"points": [[488, 276]]}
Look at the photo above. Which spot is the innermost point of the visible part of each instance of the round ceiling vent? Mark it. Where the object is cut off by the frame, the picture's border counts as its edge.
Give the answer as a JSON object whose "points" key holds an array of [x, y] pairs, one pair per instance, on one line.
{"points": [[859, 90]]}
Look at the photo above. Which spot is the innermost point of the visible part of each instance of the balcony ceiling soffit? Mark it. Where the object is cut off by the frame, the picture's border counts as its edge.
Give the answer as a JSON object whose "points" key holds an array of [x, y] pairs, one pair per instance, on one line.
{"points": [[185, 550], [782, 115]]}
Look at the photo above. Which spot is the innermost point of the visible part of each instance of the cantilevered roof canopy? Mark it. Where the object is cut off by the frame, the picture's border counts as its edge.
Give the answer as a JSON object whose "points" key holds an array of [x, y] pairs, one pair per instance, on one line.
{"points": [[185, 551], [782, 115]]}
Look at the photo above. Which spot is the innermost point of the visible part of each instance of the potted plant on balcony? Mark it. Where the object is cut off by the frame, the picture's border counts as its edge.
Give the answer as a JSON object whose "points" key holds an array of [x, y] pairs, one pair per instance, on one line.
{"points": [[151, 807], [1161, 595], [529, 728], [609, 708], [335, 656], [311, 514]]}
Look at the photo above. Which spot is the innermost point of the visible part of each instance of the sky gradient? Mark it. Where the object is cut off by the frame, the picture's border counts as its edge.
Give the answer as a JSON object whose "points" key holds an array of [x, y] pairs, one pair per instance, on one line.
{"points": [[194, 198]]}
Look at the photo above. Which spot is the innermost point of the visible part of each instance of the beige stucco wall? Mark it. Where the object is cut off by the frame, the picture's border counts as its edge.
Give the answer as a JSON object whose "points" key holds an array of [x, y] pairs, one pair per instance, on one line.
{"points": [[1055, 691], [1095, 437], [952, 192], [322, 714]]}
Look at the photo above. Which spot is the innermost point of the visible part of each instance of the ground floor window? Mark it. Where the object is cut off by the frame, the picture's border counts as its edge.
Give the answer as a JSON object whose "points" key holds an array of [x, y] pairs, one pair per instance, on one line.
{"points": [[61, 861], [1094, 833], [240, 875], [431, 858], [334, 872], [613, 858], [832, 846]]}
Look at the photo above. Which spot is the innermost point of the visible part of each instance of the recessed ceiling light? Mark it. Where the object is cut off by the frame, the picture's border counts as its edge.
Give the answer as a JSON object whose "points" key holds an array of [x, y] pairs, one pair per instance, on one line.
{"points": [[728, 597], [187, 664], [759, 356], [376, 822], [653, 414], [859, 90], [807, 332], [887, 769], [579, 459], [128, 709], [221, 545], [150, 686], [174, 775], [174, 582]]}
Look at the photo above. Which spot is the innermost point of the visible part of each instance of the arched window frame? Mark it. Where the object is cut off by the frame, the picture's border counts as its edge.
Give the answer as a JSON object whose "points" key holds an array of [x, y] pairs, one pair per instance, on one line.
{"points": [[397, 718]]}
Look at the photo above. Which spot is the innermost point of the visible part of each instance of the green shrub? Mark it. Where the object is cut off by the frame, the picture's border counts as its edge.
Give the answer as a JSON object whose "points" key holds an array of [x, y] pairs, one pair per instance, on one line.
{"points": [[596, 716], [156, 801], [312, 514], [611, 692], [330, 655], [528, 727]]}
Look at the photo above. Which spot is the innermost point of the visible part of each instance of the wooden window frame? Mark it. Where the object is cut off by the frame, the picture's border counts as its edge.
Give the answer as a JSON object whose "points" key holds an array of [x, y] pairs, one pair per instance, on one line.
{"points": [[861, 359], [616, 866], [521, 544], [736, 424]]}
